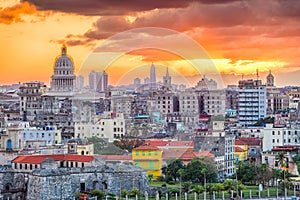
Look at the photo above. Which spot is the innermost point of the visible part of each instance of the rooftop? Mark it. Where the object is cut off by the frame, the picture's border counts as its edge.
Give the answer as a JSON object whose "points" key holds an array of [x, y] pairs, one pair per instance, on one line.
{"points": [[38, 159]]}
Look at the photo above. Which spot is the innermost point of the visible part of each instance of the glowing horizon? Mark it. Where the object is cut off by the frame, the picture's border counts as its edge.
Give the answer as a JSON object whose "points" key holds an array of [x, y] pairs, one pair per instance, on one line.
{"points": [[239, 36]]}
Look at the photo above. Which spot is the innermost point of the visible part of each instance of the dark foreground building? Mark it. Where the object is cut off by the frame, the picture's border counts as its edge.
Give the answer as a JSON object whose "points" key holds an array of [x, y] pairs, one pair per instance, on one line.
{"points": [[61, 176]]}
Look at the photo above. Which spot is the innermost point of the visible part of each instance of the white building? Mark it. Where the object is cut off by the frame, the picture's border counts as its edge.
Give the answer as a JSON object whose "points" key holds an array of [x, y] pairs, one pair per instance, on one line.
{"points": [[45, 134], [252, 102], [108, 127], [279, 136]]}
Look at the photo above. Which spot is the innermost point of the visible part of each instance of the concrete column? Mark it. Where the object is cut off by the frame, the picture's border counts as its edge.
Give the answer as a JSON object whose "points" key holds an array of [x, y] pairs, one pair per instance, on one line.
{"points": [[250, 194], [214, 195], [195, 196], [176, 197], [185, 196], [167, 196], [268, 192], [223, 195], [241, 194]]}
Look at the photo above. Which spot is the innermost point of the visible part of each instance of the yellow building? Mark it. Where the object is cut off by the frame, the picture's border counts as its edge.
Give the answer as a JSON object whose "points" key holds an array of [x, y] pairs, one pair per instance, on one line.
{"points": [[241, 150], [148, 158]]}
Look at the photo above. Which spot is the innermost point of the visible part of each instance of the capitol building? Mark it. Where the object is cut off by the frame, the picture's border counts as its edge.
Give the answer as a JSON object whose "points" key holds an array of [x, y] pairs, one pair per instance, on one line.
{"points": [[63, 79]]}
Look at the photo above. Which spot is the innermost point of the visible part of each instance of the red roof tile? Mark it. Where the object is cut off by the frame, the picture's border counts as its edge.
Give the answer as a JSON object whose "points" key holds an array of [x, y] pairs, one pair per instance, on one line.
{"points": [[188, 155], [239, 149], [204, 154], [251, 141], [239, 142], [38, 159]]}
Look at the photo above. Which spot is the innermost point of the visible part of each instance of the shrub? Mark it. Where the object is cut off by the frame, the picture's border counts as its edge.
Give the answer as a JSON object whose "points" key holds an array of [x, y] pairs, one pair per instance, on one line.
{"points": [[124, 193], [97, 193], [134, 192]]}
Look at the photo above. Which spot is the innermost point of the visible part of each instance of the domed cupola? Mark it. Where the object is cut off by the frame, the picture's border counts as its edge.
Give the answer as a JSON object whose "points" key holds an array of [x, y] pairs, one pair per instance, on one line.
{"points": [[64, 60], [63, 78]]}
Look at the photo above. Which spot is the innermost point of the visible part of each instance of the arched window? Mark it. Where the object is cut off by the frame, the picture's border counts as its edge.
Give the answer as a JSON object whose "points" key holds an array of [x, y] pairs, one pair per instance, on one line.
{"points": [[9, 145]]}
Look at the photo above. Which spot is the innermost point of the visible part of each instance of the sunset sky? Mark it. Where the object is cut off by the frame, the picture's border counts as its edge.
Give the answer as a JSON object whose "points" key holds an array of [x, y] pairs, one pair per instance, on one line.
{"points": [[192, 38]]}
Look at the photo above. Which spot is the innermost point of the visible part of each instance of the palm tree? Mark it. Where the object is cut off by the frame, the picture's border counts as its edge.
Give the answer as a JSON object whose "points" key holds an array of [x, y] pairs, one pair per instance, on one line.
{"points": [[218, 187], [281, 158], [198, 189]]}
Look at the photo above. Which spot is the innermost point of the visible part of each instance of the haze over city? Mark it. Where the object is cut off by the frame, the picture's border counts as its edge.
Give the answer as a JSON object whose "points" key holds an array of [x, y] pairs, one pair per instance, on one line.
{"points": [[238, 36]]}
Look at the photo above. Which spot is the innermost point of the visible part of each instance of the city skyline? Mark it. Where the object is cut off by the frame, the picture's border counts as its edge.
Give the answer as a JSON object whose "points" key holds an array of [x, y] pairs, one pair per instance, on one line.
{"points": [[239, 37]]}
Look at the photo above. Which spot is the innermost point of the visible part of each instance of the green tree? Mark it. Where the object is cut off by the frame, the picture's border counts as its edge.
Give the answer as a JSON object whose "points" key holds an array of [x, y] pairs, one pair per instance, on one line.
{"points": [[97, 193], [246, 172], [281, 158], [264, 173], [173, 168], [134, 192], [198, 189], [124, 192], [218, 187], [128, 142], [187, 186], [150, 177]]}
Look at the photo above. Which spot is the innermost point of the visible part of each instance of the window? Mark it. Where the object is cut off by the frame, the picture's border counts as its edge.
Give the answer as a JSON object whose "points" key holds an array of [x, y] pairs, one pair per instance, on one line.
{"points": [[155, 153], [136, 153], [143, 153], [149, 153], [151, 165], [137, 164]]}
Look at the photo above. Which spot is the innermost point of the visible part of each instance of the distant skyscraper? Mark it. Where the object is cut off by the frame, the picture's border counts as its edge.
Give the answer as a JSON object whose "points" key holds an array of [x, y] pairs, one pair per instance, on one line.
{"points": [[63, 78], [80, 82], [93, 80], [152, 76], [103, 82]]}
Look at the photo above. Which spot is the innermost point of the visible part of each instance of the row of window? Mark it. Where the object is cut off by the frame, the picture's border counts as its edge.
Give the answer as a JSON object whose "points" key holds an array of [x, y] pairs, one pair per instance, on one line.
{"points": [[284, 132], [149, 153]]}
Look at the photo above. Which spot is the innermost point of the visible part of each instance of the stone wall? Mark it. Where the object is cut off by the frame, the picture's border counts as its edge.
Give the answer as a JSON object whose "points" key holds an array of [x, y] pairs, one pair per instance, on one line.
{"points": [[64, 183], [12, 184]]}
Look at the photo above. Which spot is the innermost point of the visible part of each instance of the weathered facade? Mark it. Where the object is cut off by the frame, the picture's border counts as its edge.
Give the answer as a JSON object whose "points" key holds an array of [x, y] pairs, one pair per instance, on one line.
{"points": [[51, 181]]}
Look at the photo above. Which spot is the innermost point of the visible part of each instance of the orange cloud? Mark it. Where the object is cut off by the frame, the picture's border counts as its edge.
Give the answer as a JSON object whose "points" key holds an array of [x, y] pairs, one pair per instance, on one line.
{"points": [[12, 14]]}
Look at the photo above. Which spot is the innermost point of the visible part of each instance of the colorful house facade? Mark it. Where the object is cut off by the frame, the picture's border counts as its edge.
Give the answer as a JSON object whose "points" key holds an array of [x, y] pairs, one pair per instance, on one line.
{"points": [[148, 158]]}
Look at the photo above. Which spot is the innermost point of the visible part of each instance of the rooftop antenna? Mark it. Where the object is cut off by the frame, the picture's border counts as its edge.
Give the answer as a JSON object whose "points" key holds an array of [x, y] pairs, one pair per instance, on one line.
{"points": [[257, 74], [242, 76]]}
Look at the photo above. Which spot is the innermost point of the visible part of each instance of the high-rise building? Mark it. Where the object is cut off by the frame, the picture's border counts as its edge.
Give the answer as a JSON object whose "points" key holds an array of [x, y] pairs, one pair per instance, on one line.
{"points": [[63, 79], [152, 76], [98, 81], [103, 82], [79, 82], [252, 101], [93, 80]]}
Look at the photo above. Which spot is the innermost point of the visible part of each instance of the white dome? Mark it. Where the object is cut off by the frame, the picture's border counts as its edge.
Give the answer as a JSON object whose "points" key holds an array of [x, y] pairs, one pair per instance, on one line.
{"points": [[64, 61]]}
